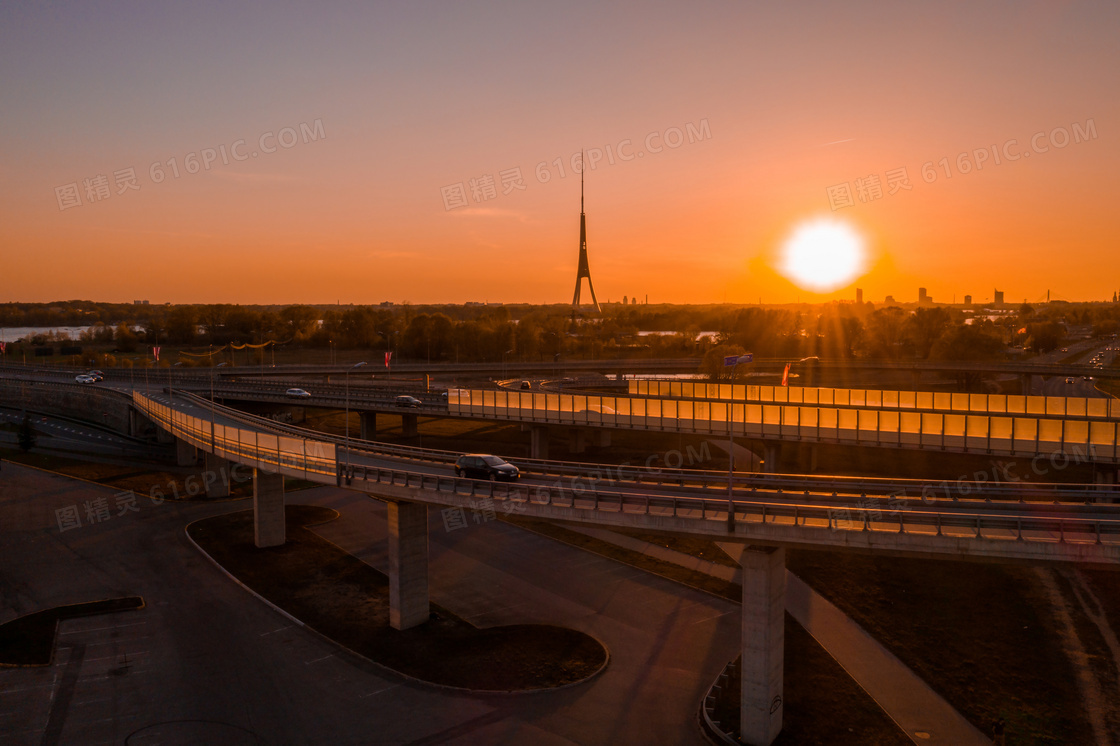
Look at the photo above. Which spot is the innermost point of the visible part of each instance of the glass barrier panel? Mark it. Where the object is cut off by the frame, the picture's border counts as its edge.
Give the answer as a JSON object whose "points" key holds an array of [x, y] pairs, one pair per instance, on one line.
{"points": [[907, 399], [828, 418], [1103, 433], [266, 445], [795, 395], [888, 423], [1056, 405], [932, 424], [1050, 430], [942, 400], [811, 396], [771, 415], [1077, 431], [1016, 404], [826, 396], [780, 393], [702, 410], [765, 393], [751, 412], [997, 402], [954, 425], [1076, 407], [718, 412], [890, 399], [848, 419], [686, 410], [1096, 407], [669, 408], [1036, 405], [1000, 427], [976, 426], [653, 407], [872, 398], [638, 407], [867, 421], [1026, 429]]}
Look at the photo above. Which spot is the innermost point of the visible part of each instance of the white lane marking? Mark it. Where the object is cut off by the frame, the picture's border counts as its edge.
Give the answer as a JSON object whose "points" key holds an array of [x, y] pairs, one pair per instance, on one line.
{"points": [[98, 629]]}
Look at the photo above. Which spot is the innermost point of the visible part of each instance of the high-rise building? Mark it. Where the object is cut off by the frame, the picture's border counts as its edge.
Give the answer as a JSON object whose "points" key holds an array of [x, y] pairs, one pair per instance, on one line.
{"points": [[968, 300], [998, 297], [923, 297], [859, 295]]}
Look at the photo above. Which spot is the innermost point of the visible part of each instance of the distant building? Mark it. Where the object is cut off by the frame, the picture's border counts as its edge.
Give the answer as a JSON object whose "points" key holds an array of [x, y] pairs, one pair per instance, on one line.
{"points": [[859, 295], [968, 300], [889, 300], [923, 297], [140, 303], [998, 297]]}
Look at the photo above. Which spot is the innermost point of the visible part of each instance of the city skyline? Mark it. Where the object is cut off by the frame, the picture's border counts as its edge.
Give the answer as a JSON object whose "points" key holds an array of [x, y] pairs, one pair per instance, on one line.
{"points": [[322, 156]]}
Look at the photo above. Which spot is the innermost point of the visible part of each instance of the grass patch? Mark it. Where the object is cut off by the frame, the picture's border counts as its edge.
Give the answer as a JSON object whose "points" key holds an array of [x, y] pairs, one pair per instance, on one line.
{"points": [[345, 599], [29, 640], [980, 634]]}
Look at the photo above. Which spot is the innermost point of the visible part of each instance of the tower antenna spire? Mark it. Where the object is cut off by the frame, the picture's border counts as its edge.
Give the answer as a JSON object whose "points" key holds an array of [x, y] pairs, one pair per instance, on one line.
{"points": [[584, 270]]}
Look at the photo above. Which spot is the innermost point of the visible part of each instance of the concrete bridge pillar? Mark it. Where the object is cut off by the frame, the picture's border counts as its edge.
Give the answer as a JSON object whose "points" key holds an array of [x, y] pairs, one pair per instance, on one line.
{"points": [[1026, 384], [538, 441], [367, 425], [215, 475], [771, 456], [763, 667], [269, 527], [408, 564], [185, 453], [577, 440], [409, 428], [136, 423]]}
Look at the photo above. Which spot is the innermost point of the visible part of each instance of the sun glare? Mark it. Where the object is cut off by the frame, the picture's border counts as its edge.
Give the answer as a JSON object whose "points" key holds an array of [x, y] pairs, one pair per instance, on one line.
{"points": [[822, 255]]}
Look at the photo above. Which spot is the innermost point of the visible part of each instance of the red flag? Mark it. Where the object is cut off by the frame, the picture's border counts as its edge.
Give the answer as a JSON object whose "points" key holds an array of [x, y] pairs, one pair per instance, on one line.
{"points": [[785, 375], [155, 353], [388, 355], [3, 347]]}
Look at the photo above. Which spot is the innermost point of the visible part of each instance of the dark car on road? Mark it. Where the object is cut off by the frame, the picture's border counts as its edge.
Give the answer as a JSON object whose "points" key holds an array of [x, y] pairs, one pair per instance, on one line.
{"points": [[485, 466], [405, 400]]}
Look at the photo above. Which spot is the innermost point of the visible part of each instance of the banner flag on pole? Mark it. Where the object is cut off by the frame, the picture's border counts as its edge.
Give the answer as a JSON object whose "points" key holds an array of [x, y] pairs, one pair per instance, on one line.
{"points": [[155, 353], [388, 356], [785, 375]]}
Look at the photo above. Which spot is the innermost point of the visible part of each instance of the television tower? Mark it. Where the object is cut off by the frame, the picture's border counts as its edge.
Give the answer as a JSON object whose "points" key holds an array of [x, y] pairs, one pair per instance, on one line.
{"points": [[584, 270]]}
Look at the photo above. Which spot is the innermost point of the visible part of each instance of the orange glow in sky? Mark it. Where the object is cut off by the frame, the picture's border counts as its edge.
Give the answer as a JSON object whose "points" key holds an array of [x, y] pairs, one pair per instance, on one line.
{"points": [[429, 152]]}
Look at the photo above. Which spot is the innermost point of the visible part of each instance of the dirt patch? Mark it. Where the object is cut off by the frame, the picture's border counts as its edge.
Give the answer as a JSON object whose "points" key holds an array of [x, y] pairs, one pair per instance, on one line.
{"points": [[345, 599]]}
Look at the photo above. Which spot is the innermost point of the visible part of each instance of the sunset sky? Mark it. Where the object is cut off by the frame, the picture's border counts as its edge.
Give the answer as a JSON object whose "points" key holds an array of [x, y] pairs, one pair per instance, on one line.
{"points": [[389, 112]]}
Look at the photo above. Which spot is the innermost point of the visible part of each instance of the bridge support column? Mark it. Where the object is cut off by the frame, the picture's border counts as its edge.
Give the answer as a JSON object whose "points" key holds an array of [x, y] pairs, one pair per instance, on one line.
{"points": [[538, 441], [409, 427], [269, 527], [408, 564], [577, 440], [763, 667], [1025, 384], [771, 456], [136, 422], [185, 453], [367, 425], [215, 475]]}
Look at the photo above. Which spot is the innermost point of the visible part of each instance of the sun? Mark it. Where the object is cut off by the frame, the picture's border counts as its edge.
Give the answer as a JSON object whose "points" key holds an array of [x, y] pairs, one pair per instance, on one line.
{"points": [[822, 255]]}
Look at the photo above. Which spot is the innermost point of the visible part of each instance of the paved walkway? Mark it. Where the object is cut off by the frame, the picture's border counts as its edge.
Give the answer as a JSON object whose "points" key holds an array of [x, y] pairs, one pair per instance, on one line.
{"points": [[922, 713]]}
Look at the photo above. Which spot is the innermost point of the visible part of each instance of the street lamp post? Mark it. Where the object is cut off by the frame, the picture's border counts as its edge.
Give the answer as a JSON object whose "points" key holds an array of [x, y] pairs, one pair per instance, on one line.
{"points": [[733, 361], [355, 365]]}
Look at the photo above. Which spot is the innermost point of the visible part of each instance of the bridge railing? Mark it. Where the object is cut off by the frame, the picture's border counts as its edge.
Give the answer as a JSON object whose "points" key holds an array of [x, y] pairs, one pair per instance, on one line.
{"points": [[854, 421], [953, 523], [579, 475], [299, 457], [931, 401]]}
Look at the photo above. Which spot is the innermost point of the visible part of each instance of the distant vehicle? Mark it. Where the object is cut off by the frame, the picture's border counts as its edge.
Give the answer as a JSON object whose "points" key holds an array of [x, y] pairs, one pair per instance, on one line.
{"points": [[526, 385], [404, 400], [83, 378], [96, 375], [486, 466], [1069, 380], [443, 397], [297, 394]]}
